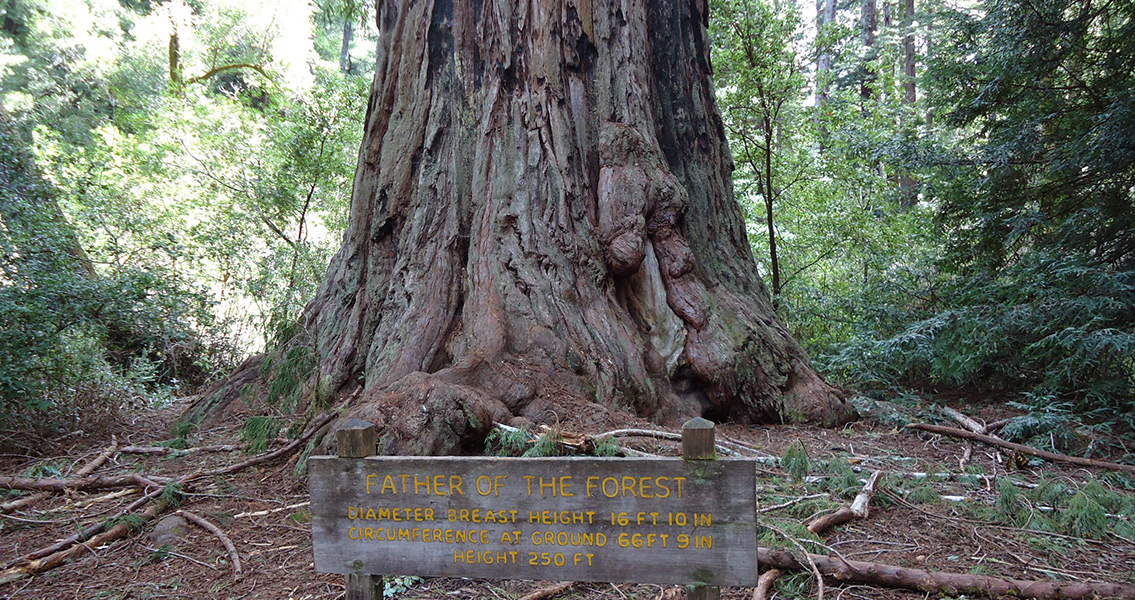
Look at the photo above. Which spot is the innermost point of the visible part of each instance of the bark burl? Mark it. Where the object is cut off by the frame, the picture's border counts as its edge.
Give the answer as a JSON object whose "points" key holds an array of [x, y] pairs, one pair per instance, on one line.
{"points": [[543, 226]]}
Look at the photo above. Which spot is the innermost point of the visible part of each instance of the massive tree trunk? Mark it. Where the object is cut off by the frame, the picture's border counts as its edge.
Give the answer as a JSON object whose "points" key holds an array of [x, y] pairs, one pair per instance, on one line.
{"points": [[543, 226]]}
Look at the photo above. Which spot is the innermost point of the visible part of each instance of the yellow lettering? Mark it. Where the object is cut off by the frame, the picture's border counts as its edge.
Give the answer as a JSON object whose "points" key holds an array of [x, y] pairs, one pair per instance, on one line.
{"points": [[643, 484], [369, 475]]}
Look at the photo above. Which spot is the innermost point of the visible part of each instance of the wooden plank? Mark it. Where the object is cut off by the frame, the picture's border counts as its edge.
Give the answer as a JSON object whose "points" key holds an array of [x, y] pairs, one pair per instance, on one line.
{"points": [[698, 443], [566, 519], [356, 440]]}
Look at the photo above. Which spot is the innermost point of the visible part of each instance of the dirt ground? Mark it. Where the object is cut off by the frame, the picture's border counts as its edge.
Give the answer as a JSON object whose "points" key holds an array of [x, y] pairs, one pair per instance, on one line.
{"points": [[263, 511]]}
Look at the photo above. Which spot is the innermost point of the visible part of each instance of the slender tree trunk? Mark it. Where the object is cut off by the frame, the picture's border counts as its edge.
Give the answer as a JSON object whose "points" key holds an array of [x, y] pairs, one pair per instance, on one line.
{"points": [[825, 23], [345, 48], [908, 186], [868, 24], [910, 95], [770, 195], [543, 229]]}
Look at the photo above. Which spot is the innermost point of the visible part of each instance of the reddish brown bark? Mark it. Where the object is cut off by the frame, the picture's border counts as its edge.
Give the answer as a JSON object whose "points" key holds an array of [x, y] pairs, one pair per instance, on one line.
{"points": [[543, 226]]}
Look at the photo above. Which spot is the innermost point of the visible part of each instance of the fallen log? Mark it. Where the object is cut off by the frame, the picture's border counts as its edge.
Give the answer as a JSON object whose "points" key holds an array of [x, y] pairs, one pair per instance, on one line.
{"points": [[935, 582], [1021, 448]]}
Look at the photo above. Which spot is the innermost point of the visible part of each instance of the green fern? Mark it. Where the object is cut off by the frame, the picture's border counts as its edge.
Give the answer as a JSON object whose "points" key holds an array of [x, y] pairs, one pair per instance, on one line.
{"points": [[1085, 518], [796, 460], [258, 432]]}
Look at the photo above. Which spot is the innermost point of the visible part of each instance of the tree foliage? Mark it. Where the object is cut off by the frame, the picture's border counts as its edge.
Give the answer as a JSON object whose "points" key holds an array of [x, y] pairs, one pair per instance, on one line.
{"points": [[159, 224]]}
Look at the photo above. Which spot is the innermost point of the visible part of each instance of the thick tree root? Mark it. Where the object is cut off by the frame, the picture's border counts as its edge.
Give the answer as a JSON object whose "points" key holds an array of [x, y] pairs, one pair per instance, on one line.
{"points": [[953, 584]]}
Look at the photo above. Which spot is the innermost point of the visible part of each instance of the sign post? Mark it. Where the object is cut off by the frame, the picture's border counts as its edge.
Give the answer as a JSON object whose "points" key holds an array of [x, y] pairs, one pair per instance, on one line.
{"points": [[688, 521], [356, 440]]}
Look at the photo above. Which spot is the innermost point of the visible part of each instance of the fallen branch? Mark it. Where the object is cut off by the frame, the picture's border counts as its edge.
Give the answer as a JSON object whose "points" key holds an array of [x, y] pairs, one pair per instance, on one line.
{"points": [[266, 512], [548, 592], [660, 435], [965, 421], [1021, 448], [765, 582], [994, 426], [177, 451], [52, 484], [50, 561], [792, 502], [860, 507], [935, 582], [807, 557], [216, 531], [85, 471], [86, 534], [86, 502], [56, 554]]}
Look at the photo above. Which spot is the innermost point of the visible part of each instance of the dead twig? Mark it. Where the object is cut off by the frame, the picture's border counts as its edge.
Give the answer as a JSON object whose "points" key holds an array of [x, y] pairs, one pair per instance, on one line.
{"points": [[266, 512], [792, 502], [808, 557], [548, 592], [220, 535]]}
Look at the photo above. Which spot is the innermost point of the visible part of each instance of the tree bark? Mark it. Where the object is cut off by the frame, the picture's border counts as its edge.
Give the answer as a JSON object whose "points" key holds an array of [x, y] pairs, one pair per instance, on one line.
{"points": [[543, 226]]}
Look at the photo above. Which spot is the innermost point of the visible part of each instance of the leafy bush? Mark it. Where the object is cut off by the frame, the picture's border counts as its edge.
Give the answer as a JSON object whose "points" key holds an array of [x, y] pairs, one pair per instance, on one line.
{"points": [[1053, 326], [73, 334]]}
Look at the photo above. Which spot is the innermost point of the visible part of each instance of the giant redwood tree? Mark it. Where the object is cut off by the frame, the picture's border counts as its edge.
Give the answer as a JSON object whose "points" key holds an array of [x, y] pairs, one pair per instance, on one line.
{"points": [[543, 226]]}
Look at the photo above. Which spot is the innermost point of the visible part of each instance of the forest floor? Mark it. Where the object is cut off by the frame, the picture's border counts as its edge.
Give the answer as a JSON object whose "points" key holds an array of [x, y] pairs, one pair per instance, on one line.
{"points": [[263, 511]]}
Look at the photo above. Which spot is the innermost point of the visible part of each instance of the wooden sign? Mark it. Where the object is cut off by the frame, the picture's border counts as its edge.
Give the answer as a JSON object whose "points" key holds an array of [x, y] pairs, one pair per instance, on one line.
{"points": [[571, 519]]}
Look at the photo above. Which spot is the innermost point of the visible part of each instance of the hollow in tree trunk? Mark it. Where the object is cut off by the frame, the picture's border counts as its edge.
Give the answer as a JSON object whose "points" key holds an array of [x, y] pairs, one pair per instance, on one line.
{"points": [[543, 229]]}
